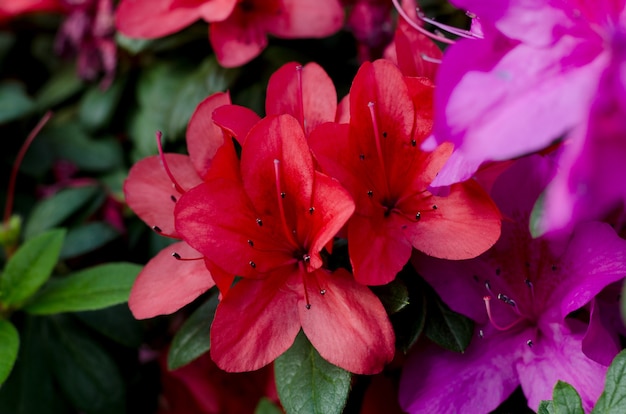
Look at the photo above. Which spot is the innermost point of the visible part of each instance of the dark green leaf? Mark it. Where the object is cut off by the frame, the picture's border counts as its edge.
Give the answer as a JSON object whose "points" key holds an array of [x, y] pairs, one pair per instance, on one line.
{"points": [[613, 399], [266, 406], [97, 106], [85, 372], [193, 339], [546, 407], [565, 399], [132, 45], [308, 384], [86, 238], [409, 322], [447, 328], [94, 288], [394, 296], [9, 345], [115, 322], [55, 210], [14, 102], [30, 267], [63, 84]]}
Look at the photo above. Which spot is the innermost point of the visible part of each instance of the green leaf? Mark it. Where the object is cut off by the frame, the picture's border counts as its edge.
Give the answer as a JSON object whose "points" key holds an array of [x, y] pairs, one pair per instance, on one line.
{"points": [[565, 399], [546, 407], [266, 406], [132, 45], [9, 345], [613, 399], [193, 339], [30, 267], [97, 107], [447, 328], [14, 102], [86, 238], [90, 289], [115, 322], [308, 384], [85, 372], [394, 296], [536, 217], [55, 210], [63, 84]]}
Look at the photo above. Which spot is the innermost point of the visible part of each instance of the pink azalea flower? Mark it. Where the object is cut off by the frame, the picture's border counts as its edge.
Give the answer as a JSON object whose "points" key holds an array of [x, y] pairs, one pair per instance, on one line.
{"points": [[152, 189], [238, 30], [12, 8], [266, 219], [521, 294], [531, 81], [377, 157], [370, 23]]}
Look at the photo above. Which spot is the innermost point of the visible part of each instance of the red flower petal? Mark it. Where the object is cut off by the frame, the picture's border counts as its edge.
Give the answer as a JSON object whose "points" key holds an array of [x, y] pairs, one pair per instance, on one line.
{"points": [[166, 284], [307, 18], [237, 120], [254, 324], [204, 137], [152, 18], [149, 191], [237, 40], [348, 325]]}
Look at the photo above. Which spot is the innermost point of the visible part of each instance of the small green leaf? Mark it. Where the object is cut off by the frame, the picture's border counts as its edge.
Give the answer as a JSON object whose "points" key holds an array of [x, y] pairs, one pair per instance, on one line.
{"points": [[132, 45], [307, 383], [193, 339], [86, 238], [266, 406], [9, 345], [14, 103], [97, 106], [613, 399], [90, 289], [10, 232], [55, 210], [546, 407], [62, 85], [394, 296], [565, 399], [447, 328], [87, 374], [30, 267], [536, 217], [115, 322]]}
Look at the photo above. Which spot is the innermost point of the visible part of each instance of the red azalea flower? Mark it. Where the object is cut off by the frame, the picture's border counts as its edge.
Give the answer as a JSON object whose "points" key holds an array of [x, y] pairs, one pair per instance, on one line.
{"points": [[152, 189], [267, 221], [378, 159], [239, 29]]}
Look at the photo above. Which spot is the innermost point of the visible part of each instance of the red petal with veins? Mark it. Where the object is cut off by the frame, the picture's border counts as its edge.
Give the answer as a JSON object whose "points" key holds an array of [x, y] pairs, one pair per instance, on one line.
{"points": [[306, 18], [308, 94], [347, 325], [254, 324], [152, 18], [237, 40], [166, 284], [237, 120], [204, 137], [149, 191]]}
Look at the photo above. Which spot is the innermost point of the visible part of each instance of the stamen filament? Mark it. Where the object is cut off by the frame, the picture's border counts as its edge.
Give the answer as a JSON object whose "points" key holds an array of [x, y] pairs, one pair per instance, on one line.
{"points": [[301, 96], [487, 300], [450, 29], [185, 259], [281, 207], [306, 291], [8, 208], [177, 186], [427, 58], [419, 28], [379, 150]]}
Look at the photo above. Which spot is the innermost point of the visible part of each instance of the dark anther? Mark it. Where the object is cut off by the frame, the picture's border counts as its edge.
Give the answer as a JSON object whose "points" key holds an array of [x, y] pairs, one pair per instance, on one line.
{"points": [[259, 222], [384, 134], [434, 206], [308, 306], [528, 283], [553, 268], [252, 264], [307, 259], [173, 198], [282, 195], [481, 333], [323, 292], [157, 229], [370, 193], [413, 142], [362, 157], [529, 343], [176, 256], [251, 243], [498, 271], [311, 210], [418, 215]]}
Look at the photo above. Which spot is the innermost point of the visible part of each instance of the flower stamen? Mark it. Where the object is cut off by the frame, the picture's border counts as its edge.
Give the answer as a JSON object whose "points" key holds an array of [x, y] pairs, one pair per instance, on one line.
{"points": [[487, 300], [281, 207], [177, 186]]}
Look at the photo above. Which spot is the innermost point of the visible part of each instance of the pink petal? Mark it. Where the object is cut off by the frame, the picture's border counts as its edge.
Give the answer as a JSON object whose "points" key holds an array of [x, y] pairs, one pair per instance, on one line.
{"points": [[237, 41], [559, 357], [237, 120], [204, 137], [307, 18], [347, 325], [601, 342], [435, 380], [165, 284], [308, 94], [152, 18], [254, 324], [216, 10], [149, 191]]}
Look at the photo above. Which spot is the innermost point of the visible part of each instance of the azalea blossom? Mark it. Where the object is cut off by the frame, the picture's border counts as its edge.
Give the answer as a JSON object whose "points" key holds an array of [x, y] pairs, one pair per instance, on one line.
{"points": [[377, 157], [154, 185], [266, 218], [522, 294], [238, 29], [13, 8], [544, 71]]}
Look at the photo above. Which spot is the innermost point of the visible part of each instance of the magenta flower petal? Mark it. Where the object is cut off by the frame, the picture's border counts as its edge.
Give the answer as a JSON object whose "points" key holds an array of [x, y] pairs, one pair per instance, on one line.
{"points": [[601, 342], [166, 284]]}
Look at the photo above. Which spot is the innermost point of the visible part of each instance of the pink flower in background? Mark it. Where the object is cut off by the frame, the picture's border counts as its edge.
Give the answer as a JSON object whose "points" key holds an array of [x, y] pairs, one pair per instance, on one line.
{"points": [[371, 24], [10, 9], [530, 82], [521, 294], [266, 219], [238, 29], [152, 191]]}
